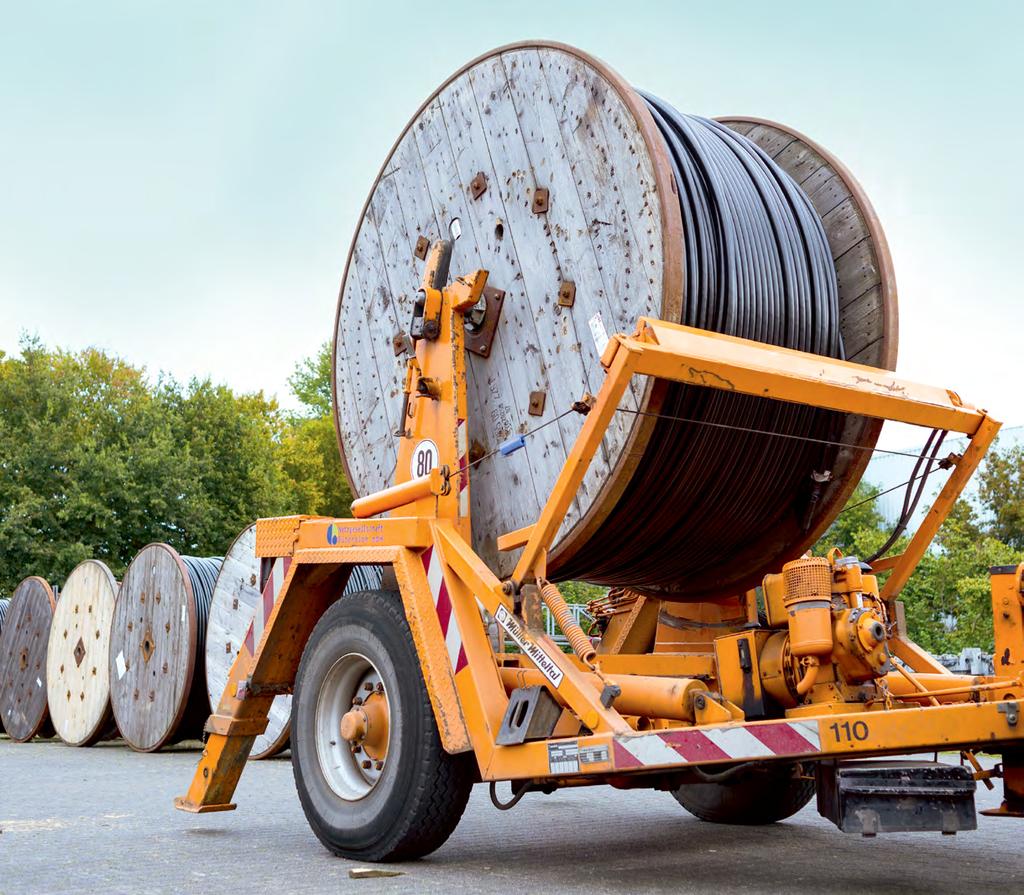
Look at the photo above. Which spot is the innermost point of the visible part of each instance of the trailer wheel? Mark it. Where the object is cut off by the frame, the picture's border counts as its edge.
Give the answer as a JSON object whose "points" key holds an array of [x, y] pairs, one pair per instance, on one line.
{"points": [[373, 778], [755, 799]]}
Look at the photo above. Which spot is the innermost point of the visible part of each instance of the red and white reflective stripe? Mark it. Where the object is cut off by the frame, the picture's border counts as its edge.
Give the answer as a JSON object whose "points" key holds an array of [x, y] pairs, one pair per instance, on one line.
{"points": [[265, 605], [462, 448], [717, 744], [445, 612]]}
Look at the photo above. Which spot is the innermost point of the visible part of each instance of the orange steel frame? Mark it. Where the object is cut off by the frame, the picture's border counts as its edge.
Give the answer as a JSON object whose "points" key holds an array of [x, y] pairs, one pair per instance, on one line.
{"points": [[469, 705]]}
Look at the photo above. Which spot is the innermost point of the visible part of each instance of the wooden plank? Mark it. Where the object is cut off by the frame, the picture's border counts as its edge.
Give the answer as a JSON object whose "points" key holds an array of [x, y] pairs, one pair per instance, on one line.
{"points": [[350, 361], [493, 222], [153, 649], [770, 139], [861, 322], [382, 390], [541, 329], [844, 226], [23, 644], [77, 674], [615, 183], [857, 272], [829, 196], [799, 161], [235, 598], [420, 219], [506, 388], [870, 354]]}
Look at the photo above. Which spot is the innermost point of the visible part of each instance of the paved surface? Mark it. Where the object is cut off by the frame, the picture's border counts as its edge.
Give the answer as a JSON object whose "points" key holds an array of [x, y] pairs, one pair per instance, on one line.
{"points": [[100, 820]]}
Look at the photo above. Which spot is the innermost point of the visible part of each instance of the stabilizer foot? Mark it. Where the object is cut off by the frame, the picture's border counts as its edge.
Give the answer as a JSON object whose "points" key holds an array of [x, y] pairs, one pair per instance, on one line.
{"points": [[183, 804]]}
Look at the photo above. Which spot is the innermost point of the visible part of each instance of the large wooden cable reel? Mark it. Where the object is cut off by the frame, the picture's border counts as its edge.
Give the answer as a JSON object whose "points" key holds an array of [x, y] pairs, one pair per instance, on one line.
{"points": [[77, 673], [23, 643], [564, 190], [236, 597], [157, 647]]}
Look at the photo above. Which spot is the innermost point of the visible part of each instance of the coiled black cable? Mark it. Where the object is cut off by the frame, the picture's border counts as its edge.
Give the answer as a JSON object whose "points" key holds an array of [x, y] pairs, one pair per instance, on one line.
{"points": [[202, 573], [757, 264]]}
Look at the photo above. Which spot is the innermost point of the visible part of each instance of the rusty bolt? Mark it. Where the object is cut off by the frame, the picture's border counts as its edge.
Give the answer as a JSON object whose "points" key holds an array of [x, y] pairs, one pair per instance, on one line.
{"points": [[366, 764], [478, 185], [422, 244], [537, 402], [401, 344], [567, 294], [699, 701], [540, 200], [379, 765], [368, 687], [508, 588]]}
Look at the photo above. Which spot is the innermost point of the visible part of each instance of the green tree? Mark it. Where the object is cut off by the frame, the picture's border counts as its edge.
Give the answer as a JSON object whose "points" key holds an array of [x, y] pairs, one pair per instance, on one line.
{"points": [[96, 462], [1001, 492], [948, 598], [311, 452], [859, 529], [85, 451]]}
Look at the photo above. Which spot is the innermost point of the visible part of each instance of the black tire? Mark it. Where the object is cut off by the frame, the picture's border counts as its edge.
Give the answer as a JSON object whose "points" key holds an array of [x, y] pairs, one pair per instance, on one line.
{"points": [[754, 799], [422, 791]]}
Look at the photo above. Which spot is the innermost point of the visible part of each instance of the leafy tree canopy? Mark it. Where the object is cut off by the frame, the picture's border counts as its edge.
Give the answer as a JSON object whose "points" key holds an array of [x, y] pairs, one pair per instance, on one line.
{"points": [[95, 461]]}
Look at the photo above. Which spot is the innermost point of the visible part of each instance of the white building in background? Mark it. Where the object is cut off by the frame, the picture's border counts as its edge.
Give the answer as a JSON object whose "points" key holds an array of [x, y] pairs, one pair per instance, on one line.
{"points": [[887, 471]]}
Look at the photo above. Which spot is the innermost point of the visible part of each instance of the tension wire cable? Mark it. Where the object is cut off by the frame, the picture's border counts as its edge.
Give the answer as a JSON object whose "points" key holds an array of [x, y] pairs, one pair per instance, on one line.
{"points": [[749, 430], [511, 446], [873, 497]]}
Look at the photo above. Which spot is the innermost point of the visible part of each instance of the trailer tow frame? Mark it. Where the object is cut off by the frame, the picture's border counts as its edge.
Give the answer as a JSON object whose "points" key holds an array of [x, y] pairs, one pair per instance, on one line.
{"points": [[444, 585]]}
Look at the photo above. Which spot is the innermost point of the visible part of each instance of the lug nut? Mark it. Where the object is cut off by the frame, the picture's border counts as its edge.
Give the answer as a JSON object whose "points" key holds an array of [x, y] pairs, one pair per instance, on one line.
{"points": [[366, 765]]}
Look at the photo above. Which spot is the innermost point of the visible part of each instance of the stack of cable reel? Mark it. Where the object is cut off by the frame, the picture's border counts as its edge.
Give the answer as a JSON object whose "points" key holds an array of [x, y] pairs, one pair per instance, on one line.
{"points": [[592, 205], [237, 598], [77, 672], [157, 647], [23, 644]]}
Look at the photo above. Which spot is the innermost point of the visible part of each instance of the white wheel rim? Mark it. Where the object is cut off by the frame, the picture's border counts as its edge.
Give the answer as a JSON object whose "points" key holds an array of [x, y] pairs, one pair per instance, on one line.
{"points": [[350, 678]]}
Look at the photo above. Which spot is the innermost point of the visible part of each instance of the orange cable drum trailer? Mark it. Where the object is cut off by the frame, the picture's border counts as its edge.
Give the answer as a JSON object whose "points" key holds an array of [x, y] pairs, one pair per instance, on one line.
{"points": [[741, 688]]}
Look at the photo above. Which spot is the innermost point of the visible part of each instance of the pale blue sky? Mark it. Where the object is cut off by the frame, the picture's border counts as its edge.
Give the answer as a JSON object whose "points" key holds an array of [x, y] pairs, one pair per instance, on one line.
{"points": [[179, 181]]}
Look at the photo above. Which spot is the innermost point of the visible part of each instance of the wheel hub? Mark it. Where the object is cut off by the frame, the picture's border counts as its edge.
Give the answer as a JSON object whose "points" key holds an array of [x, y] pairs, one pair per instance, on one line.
{"points": [[352, 726]]}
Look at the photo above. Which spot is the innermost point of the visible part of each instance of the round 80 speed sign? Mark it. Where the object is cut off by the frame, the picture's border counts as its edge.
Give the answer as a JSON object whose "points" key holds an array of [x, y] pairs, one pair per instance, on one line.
{"points": [[425, 457]]}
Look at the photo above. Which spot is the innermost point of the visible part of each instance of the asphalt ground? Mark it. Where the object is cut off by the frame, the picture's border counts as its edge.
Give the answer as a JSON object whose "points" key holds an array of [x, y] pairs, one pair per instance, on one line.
{"points": [[101, 820]]}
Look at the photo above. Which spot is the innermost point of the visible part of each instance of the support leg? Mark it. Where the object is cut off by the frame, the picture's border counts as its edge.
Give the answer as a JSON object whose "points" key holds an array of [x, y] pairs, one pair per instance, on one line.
{"points": [[254, 681]]}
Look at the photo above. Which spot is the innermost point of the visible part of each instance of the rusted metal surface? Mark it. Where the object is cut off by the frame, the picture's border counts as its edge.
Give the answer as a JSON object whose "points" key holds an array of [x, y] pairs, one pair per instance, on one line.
{"points": [[483, 324]]}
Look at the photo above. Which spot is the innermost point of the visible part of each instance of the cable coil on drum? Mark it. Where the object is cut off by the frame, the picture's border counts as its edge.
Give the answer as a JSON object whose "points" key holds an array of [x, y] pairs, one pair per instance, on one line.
{"points": [[202, 573], [757, 266]]}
